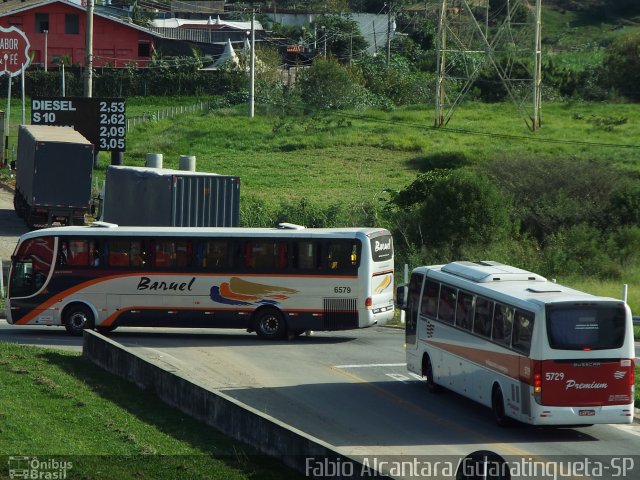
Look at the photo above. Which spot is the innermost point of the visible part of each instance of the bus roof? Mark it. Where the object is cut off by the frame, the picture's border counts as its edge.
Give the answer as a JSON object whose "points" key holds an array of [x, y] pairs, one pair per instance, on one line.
{"points": [[102, 229], [505, 282]]}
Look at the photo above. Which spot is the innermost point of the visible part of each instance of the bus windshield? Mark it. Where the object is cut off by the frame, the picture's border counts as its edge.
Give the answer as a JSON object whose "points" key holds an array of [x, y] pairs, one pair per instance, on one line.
{"points": [[31, 265], [585, 326]]}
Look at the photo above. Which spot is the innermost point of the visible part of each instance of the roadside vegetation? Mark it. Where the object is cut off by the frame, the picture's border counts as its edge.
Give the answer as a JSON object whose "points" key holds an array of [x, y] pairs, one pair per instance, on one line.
{"points": [[56, 405]]}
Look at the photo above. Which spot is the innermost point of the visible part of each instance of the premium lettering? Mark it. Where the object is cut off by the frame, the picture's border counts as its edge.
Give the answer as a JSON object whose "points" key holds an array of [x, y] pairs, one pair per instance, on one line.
{"points": [[585, 386], [145, 283]]}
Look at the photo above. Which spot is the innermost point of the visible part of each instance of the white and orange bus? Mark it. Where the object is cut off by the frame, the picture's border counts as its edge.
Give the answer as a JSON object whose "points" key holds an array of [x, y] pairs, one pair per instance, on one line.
{"points": [[530, 349], [274, 281]]}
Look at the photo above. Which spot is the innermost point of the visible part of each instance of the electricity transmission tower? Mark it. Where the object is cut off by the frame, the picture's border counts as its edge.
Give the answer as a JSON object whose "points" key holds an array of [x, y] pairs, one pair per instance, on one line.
{"points": [[492, 44]]}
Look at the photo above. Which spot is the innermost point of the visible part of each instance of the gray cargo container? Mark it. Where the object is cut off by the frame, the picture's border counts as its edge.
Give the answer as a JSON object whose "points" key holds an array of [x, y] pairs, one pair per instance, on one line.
{"points": [[53, 175], [141, 196]]}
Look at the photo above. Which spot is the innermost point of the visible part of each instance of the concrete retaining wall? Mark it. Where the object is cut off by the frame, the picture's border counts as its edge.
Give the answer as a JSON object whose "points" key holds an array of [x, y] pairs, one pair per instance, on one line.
{"points": [[237, 420]]}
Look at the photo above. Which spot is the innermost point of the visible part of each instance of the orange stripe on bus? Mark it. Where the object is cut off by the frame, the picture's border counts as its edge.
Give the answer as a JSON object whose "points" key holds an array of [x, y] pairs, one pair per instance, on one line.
{"points": [[508, 364]]}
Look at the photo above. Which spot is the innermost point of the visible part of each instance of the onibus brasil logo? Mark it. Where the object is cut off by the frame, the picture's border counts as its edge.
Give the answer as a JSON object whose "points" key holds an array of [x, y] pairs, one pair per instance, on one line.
{"points": [[33, 468]]}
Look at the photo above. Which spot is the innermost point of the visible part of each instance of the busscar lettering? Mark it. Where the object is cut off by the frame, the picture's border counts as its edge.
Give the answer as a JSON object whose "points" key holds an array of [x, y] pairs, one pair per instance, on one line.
{"points": [[145, 283]]}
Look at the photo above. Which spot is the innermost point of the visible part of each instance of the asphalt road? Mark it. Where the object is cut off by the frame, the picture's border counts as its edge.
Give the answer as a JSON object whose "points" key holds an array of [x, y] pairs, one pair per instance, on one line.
{"points": [[350, 389]]}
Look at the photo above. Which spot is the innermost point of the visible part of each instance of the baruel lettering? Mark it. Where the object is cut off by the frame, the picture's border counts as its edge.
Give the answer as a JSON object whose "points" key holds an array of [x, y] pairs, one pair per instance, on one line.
{"points": [[381, 247], [145, 283]]}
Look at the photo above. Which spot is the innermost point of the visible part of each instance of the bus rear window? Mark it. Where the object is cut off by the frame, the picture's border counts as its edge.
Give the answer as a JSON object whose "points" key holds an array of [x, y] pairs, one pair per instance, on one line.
{"points": [[585, 327], [382, 248]]}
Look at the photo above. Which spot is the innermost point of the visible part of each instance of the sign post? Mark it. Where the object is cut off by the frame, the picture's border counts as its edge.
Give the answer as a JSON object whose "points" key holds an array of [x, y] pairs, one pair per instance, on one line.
{"points": [[14, 59]]}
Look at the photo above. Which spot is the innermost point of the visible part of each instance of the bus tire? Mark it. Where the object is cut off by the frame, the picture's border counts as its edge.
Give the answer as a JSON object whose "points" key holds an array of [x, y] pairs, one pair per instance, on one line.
{"points": [[427, 371], [497, 406], [270, 324], [78, 317]]}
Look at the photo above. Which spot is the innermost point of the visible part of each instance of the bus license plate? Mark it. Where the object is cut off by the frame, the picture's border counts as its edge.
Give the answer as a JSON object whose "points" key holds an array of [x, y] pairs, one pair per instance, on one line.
{"points": [[586, 413]]}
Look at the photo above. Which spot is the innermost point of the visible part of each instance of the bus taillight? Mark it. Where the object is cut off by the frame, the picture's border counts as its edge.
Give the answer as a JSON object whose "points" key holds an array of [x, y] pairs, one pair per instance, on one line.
{"points": [[537, 384], [632, 379], [368, 302]]}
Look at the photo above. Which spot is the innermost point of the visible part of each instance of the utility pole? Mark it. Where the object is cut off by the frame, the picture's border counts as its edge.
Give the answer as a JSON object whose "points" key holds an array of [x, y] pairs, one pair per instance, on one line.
{"points": [[388, 35], [536, 121], [441, 42], [88, 73], [324, 35], [252, 70], [46, 50]]}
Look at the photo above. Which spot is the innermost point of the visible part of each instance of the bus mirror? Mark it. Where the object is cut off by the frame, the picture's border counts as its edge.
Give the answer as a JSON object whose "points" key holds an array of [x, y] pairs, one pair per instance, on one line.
{"points": [[401, 296]]}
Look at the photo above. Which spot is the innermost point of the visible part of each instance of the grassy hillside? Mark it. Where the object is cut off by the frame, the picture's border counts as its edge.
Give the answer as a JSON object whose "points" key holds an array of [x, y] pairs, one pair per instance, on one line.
{"points": [[352, 158]]}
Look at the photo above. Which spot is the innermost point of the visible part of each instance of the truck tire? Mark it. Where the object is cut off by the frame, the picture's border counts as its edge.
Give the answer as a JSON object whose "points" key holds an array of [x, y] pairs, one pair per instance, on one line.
{"points": [[17, 205]]}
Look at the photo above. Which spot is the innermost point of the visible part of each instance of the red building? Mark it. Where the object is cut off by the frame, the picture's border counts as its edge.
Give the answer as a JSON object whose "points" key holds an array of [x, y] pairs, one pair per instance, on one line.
{"points": [[56, 30]]}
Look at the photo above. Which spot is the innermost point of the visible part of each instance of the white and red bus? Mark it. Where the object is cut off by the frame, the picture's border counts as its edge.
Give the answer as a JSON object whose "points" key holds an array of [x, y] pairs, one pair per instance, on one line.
{"points": [[274, 281], [528, 348]]}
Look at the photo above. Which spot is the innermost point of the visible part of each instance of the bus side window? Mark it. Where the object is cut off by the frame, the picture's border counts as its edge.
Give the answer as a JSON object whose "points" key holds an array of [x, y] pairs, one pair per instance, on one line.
{"points": [[502, 324], [482, 318], [94, 251], [214, 254], [342, 255], [282, 260], [464, 310], [305, 255], [447, 304], [118, 253], [138, 253], [522, 331], [78, 252], [430, 299]]}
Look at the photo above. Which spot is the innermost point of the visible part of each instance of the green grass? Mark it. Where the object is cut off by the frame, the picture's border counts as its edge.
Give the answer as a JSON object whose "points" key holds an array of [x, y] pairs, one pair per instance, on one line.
{"points": [[353, 158], [55, 403]]}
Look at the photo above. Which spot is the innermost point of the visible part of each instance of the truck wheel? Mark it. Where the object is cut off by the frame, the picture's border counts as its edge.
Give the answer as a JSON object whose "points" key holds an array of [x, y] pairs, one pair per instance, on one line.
{"points": [[17, 207], [270, 324], [78, 317]]}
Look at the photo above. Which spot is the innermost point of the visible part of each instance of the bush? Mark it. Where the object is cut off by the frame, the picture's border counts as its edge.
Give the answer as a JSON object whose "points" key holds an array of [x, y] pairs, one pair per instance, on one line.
{"points": [[552, 194], [326, 85], [622, 66], [576, 250], [463, 208]]}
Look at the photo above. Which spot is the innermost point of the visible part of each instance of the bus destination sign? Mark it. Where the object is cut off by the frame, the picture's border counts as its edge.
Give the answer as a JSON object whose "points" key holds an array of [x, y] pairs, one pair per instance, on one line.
{"points": [[102, 121]]}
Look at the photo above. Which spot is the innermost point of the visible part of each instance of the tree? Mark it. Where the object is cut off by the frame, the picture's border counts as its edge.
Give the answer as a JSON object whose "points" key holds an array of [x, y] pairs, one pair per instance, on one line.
{"points": [[342, 36]]}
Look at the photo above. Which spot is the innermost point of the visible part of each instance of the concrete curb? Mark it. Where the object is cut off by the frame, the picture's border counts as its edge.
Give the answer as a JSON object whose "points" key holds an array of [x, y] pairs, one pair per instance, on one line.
{"points": [[233, 418]]}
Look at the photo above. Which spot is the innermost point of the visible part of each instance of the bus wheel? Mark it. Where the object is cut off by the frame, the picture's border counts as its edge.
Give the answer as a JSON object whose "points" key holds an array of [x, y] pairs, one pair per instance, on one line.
{"points": [[78, 317], [270, 324], [427, 371], [497, 405]]}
